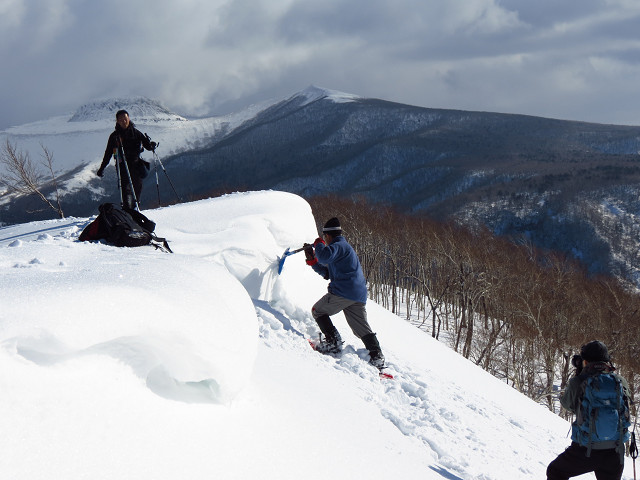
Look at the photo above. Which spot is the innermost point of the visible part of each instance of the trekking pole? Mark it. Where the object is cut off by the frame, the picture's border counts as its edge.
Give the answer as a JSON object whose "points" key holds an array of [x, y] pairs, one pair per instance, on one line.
{"points": [[115, 156], [155, 164], [633, 451], [168, 178], [133, 192], [126, 168], [633, 447], [157, 159]]}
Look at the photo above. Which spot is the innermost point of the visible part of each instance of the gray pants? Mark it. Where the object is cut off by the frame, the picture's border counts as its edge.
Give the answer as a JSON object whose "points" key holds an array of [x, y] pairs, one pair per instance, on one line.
{"points": [[354, 312]]}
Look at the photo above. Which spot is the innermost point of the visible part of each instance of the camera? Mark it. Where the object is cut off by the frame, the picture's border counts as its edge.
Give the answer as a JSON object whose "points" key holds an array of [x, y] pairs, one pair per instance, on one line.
{"points": [[576, 361]]}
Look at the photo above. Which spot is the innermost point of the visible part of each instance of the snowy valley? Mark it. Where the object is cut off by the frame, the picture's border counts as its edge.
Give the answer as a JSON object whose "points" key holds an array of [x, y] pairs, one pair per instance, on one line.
{"points": [[137, 364]]}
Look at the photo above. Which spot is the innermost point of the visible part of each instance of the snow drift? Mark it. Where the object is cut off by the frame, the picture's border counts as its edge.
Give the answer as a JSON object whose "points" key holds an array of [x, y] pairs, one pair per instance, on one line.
{"points": [[132, 363]]}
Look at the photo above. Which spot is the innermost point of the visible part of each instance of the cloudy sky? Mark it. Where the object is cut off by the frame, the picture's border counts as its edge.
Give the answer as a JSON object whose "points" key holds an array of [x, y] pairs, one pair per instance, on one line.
{"points": [[567, 59]]}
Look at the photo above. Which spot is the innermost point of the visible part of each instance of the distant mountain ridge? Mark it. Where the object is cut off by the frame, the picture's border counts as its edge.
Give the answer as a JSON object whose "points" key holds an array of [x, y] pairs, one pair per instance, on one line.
{"points": [[138, 108], [414, 157], [571, 186], [541, 179]]}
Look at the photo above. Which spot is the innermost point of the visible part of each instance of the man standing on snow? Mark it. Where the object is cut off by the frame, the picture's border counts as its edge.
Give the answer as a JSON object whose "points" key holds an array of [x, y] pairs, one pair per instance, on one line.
{"points": [[582, 397], [127, 136], [335, 260]]}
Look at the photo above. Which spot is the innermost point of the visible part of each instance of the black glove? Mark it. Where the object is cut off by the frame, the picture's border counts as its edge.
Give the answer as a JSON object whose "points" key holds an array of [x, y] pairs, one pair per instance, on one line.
{"points": [[100, 172], [153, 144], [311, 256], [308, 251]]}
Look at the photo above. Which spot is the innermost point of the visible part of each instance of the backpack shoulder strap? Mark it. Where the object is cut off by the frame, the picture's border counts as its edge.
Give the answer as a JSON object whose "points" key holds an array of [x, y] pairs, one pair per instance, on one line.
{"points": [[584, 380]]}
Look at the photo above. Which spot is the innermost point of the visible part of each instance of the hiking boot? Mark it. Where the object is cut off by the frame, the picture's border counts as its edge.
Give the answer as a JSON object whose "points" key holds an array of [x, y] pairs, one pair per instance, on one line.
{"points": [[375, 352], [376, 359], [331, 344]]}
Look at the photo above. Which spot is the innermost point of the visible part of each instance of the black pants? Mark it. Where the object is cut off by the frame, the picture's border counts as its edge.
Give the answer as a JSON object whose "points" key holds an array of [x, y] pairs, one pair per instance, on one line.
{"points": [[127, 195], [574, 461]]}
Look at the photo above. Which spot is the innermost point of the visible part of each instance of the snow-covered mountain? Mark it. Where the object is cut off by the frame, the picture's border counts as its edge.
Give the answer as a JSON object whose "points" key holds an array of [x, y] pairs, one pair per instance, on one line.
{"points": [[80, 137], [140, 108], [78, 140], [568, 186], [136, 364]]}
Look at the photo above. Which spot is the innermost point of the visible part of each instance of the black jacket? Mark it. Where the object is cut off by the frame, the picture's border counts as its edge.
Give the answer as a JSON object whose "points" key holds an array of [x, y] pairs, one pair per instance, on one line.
{"points": [[132, 141]]}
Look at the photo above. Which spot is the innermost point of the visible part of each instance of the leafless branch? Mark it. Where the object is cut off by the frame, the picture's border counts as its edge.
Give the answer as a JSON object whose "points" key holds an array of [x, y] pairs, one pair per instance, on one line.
{"points": [[23, 177]]}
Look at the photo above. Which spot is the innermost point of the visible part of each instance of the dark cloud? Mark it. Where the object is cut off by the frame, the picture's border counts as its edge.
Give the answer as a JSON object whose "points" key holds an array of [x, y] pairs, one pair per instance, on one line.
{"points": [[560, 59]]}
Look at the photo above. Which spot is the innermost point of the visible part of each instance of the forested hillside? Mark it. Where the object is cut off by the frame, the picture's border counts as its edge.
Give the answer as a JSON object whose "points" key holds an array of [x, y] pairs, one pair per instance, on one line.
{"points": [[518, 311]]}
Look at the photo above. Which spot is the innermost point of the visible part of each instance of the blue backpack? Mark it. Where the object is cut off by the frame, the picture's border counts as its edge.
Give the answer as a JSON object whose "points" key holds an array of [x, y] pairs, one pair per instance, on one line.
{"points": [[603, 418]]}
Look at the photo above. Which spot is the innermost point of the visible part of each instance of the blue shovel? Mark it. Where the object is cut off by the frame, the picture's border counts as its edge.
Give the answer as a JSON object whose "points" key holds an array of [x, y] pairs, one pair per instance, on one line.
{"points": [[286, 253]]}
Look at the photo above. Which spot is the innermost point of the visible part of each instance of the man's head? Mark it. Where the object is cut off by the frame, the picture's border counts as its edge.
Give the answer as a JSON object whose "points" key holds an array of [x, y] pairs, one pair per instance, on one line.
{"points": [[594, 351], [332, 228], [122, 119]]}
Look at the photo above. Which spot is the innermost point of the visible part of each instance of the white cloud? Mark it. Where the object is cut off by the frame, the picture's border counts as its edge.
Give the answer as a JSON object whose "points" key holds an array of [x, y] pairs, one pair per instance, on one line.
{"points": [[32, 27]]}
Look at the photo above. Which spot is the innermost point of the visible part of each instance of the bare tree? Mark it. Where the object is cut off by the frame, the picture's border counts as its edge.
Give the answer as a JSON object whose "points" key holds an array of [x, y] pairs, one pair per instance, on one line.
{"points": [[514, 309], [24, 178]]}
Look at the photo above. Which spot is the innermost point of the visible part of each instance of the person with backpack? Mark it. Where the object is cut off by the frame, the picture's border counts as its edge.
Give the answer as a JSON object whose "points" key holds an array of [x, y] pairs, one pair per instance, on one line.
{"points": [[600, 399], [335, 260], [130, 141]]}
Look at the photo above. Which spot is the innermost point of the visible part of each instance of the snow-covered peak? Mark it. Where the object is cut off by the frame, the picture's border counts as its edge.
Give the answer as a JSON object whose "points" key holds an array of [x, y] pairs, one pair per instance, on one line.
{"points": [[139, 108], [313, 93]]}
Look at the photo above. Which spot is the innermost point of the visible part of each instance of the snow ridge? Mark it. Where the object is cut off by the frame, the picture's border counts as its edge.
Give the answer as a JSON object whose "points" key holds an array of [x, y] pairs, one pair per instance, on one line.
{"points": [[313, 93], [139, 108]]}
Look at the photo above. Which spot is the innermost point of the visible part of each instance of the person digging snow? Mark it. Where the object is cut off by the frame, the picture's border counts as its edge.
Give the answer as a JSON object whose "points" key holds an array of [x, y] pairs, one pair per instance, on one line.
{"points": [[335, 260]]}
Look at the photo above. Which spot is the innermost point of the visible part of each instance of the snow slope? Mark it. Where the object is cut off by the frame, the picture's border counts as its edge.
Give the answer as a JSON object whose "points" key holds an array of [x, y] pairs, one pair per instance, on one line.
{"points": [[136, 364]]}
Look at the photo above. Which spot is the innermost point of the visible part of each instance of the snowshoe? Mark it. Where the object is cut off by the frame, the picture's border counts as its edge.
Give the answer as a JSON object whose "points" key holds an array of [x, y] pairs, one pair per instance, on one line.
{"points": [[327, 346]]}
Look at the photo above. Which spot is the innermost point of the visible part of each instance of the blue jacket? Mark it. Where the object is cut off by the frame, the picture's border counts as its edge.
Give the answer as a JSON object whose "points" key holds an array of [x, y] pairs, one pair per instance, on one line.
{"points": [[339, 263]]}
